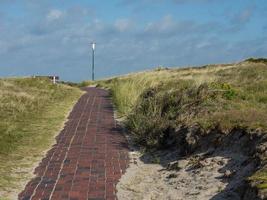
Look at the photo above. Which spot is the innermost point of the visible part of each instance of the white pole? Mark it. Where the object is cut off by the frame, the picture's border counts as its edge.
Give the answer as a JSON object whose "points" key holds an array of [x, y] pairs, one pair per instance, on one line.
{"points": [[93, 61]]}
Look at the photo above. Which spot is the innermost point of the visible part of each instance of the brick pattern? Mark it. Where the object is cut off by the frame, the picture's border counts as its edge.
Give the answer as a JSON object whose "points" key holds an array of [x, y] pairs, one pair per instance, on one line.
{"points": [[89, 157]]}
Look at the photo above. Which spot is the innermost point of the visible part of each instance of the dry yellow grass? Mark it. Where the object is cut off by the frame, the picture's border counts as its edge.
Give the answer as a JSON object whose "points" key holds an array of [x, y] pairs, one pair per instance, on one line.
{"points": [[32, 112]]}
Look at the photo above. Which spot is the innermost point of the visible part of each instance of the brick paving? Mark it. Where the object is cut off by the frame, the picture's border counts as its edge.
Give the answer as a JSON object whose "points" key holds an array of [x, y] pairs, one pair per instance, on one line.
{"points": [[89, 157]]}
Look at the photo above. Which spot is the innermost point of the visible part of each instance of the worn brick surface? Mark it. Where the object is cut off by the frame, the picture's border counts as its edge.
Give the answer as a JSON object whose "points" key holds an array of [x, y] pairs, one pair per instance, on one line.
{"points": [[89, 157]]}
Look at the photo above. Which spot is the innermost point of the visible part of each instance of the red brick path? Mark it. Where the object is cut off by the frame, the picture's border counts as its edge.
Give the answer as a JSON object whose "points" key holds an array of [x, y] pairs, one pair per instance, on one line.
{"points": [[89, 157]]}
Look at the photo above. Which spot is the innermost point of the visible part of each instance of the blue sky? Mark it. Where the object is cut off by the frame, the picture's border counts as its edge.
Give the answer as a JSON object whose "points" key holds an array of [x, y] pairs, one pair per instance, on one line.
{"points": [[49, 37]]}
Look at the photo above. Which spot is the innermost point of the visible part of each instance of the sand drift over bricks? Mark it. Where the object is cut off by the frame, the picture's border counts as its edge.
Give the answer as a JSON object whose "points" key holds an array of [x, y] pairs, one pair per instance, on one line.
{"points": [[89, 157]]}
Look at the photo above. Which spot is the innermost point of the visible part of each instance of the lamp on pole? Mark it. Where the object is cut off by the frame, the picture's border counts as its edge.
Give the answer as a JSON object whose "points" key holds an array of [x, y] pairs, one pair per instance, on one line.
{"points": [[93, 61]]}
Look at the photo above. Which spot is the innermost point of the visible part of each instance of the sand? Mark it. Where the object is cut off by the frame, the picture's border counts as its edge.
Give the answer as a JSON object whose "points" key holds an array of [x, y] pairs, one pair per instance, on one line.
{"points": [[196, 177]]}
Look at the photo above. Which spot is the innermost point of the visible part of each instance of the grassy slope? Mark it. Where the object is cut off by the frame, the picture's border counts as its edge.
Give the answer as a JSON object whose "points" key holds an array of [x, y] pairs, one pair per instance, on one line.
{"points": [[32, 111], [222, 96]]}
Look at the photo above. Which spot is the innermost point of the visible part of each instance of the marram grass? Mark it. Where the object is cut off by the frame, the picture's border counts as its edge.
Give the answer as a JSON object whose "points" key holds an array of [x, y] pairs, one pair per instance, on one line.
{"points": [[32, 112], [223, 96]]}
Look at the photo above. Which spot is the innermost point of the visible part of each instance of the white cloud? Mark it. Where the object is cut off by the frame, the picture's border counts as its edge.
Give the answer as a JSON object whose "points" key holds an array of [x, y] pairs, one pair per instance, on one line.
{"points": [[54, 14], [131, 2], [57, 41], [123, 24], [244, 16], [165, 24]]}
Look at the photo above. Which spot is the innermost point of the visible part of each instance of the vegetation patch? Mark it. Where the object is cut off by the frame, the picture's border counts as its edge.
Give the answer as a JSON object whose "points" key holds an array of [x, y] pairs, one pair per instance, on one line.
{"points": [[257, 60], [221, 97], [32, 111], [228, 96], [260, 178]]}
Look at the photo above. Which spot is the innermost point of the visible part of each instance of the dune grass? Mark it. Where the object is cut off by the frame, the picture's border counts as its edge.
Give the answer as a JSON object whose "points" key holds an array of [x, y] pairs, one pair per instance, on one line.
{"points": [[214, 96], [228, 96], [32, 111], [260, 178]]}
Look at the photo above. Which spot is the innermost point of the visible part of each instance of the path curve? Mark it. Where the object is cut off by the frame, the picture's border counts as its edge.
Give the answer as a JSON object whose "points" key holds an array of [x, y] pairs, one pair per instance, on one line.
{"points": [[90, 155]]}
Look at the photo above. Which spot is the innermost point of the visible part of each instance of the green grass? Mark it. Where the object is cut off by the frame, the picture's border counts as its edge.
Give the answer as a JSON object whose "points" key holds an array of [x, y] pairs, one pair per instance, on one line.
{"points": [[215, 96], [32, 111], [260, 178], [257, 60], [227, 96], [79, 85]]}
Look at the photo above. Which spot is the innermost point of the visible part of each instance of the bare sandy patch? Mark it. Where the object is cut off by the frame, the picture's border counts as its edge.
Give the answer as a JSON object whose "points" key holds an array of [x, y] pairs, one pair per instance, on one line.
{"points": [[210, 175]]}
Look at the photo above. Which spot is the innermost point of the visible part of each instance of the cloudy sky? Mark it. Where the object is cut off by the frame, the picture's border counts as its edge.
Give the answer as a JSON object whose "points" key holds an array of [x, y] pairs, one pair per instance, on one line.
{"points": [[53, 36]]}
